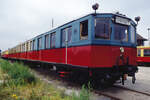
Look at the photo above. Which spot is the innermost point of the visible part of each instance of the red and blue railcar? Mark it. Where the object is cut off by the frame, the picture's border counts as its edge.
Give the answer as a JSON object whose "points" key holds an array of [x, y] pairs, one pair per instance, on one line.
{"points": [[98, 47]]}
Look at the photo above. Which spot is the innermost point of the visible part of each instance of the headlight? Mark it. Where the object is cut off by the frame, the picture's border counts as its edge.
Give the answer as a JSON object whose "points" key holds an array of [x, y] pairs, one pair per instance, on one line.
{"points": [[121, 49]]}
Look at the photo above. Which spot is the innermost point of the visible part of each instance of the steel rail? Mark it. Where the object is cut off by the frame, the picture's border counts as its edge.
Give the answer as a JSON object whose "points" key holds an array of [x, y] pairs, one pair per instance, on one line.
{"points": [[106, 95], [128, 89]]}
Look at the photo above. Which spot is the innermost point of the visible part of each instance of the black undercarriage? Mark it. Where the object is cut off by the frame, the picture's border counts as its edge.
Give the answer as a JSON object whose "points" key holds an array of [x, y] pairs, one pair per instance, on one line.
{"points": [[98, 77]]}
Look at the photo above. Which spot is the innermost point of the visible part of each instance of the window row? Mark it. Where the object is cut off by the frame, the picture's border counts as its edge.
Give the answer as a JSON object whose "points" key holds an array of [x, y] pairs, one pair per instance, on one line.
{"points": [[50, 40], [102, 29], [146, 52], [143, 52]]}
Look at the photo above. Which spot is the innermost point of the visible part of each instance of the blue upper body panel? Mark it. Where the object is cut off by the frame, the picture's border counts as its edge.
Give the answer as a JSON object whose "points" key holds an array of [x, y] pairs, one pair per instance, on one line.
{"points": [[75, 36]]}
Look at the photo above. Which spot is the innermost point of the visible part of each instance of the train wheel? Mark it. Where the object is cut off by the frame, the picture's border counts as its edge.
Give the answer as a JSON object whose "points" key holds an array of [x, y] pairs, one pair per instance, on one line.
{"points": [[133, 79], [54, 68], [95, 84]]}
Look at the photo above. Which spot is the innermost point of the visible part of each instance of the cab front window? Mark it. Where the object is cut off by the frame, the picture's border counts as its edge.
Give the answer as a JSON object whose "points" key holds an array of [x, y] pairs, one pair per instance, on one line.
{"points": [[102, 29], [121, 32]]}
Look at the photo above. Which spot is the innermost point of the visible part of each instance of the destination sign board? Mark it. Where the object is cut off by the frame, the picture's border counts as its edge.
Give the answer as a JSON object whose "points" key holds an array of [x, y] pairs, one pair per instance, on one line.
{"points": [[121, 20]]}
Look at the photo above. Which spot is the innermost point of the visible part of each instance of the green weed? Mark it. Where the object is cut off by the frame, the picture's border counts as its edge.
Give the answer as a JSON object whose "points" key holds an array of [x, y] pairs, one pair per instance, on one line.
{"points": [[83, 95], [19, 73], [20, 84]]}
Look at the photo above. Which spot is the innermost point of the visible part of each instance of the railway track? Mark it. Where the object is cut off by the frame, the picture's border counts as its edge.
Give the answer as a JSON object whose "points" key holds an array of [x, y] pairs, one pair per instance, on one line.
{"points": [[123, 93], [115, 92], [106, 95], [144, 93], [68, 84]]}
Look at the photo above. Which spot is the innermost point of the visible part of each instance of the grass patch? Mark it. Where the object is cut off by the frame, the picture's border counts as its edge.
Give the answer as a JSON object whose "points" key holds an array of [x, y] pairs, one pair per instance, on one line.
{"points": [[17, 72], [83, 95], [20, 84]]}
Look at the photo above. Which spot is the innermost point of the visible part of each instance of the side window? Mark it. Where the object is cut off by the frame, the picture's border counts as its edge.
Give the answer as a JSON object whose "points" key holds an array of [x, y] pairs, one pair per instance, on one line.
{"points": [[138, 52], [47, 41], [39, 43], [16, 49], [53, 40], [67, 32], [84, 30], [121, 32], [27, 46], [23, 48], [31, 46], [34, 45], [20, 47], [63, 36], [146, 52]]}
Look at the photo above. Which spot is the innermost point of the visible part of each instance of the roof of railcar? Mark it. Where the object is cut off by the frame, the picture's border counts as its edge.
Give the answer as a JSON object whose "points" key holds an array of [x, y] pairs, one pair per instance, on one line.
{"points": [[92, 14], [143, 47]]}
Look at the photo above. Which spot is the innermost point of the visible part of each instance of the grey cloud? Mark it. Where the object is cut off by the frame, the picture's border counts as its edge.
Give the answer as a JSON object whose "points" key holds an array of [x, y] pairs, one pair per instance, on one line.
{"points": [[21, 20]]}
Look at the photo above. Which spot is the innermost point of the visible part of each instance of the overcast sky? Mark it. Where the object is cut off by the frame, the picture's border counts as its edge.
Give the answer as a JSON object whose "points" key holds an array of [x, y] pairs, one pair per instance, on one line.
{"points": [[21, 20]]}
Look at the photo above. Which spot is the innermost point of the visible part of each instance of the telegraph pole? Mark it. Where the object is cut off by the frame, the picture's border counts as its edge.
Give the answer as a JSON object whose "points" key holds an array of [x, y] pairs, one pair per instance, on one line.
{"points": [[149, 35], [52, 22]]}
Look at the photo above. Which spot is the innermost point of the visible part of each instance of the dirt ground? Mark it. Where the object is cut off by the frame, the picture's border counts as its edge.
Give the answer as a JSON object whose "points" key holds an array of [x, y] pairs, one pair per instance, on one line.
{"points": [[142, 84], [142, 80]]}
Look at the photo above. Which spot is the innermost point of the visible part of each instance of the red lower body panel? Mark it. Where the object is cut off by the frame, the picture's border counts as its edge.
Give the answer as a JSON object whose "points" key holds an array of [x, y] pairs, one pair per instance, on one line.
{"points": [[85, 56], [143, 59]]}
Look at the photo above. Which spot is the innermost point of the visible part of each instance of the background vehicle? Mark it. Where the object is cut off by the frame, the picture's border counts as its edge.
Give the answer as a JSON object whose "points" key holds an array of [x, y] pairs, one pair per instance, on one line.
{"points": [[4, 54], [0, 53], [143, 55], [97, 47]]}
